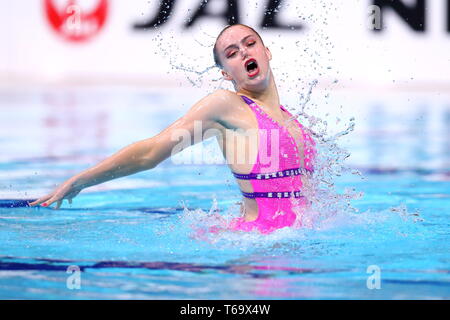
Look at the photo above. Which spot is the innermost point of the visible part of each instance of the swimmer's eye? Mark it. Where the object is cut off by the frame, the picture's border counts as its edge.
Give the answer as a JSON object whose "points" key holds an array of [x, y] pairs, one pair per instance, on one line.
{"points": [[231, 54]]}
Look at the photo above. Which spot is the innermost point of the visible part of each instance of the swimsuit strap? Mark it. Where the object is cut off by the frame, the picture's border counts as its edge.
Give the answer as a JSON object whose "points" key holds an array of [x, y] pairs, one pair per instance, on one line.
{"points": [[272, 175], [275, 195], [247, 100]]}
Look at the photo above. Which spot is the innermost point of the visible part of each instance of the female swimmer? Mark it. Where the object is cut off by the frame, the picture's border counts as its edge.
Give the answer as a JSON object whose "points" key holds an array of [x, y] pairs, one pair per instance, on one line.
{"points": [[270, 171]]}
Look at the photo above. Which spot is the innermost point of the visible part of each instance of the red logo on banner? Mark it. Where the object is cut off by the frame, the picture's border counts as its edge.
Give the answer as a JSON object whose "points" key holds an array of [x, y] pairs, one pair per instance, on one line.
{"points": [[73, 22]]}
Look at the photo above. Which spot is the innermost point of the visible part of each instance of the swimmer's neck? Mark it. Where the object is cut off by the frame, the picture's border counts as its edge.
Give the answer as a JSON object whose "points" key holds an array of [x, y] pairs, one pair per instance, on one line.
{"points": [[268, 97]]}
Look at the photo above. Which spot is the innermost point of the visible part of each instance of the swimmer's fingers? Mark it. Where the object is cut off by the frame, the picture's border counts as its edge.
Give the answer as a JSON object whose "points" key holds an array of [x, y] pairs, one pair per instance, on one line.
{"points": [[56, 198], [47, 203], [60, 196], [40, 200], [64, 191], [47, 200], [58, 204], [72, 195]]}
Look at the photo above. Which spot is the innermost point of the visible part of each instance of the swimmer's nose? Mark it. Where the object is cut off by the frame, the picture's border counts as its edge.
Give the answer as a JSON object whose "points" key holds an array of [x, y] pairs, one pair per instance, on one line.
{"points": [[244, 53]]}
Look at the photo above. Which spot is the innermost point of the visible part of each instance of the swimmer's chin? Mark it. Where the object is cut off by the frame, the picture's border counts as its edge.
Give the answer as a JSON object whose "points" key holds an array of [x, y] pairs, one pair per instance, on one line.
{"points": [[257, 83]]}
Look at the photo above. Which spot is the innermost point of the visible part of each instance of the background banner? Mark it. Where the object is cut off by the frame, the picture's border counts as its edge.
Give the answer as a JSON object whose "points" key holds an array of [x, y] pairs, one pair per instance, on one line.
{"points": [[363, 43]]}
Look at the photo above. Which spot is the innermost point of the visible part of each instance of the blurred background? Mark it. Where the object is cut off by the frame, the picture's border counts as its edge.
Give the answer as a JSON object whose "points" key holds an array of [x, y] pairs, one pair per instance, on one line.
{"points": [[112, 42]]}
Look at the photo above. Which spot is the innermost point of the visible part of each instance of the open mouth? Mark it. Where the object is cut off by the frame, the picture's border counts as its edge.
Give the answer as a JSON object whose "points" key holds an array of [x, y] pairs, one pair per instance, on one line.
{"points": [[252, 67]]}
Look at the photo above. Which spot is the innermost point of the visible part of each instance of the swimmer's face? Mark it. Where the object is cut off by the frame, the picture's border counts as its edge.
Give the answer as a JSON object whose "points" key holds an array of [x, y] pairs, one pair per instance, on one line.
{"points": [[244, 58]]}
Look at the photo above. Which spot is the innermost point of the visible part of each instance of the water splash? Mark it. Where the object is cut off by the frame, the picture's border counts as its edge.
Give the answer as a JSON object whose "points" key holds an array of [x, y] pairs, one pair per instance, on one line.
{"points": [[327, 201], [303, 102], [331, 207], [195, 71], [327, 233]]}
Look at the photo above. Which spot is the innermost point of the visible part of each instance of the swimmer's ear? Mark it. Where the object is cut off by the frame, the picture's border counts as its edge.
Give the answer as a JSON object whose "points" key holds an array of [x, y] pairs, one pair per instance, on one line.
{"points": [[269, 54], [226, 76]]}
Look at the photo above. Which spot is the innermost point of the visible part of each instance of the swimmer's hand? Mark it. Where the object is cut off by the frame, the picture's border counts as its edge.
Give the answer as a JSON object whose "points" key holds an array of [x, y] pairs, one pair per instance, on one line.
{"points": [[67, 190]]}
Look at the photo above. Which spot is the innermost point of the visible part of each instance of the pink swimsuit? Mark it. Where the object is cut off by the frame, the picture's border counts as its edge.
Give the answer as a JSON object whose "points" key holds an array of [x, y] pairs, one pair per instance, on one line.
{"points": [[277, 183]]}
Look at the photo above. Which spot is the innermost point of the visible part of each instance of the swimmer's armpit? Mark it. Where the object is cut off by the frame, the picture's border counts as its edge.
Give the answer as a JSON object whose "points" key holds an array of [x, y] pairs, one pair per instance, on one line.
{"points": [[196, 125]]}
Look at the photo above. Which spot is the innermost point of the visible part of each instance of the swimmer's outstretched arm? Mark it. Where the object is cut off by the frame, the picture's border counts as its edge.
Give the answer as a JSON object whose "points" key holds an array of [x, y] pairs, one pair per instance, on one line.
{"points": [[148, 153]]}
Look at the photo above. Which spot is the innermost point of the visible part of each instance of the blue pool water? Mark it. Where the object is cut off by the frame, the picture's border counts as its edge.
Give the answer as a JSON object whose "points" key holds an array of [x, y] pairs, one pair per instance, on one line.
{"points": [[135, 237]]}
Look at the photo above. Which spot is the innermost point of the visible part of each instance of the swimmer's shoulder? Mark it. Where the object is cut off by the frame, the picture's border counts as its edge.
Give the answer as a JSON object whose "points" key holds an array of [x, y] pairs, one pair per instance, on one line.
{"points": [[226, 102], [227, 106], [221, 108], [226, 97]]}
